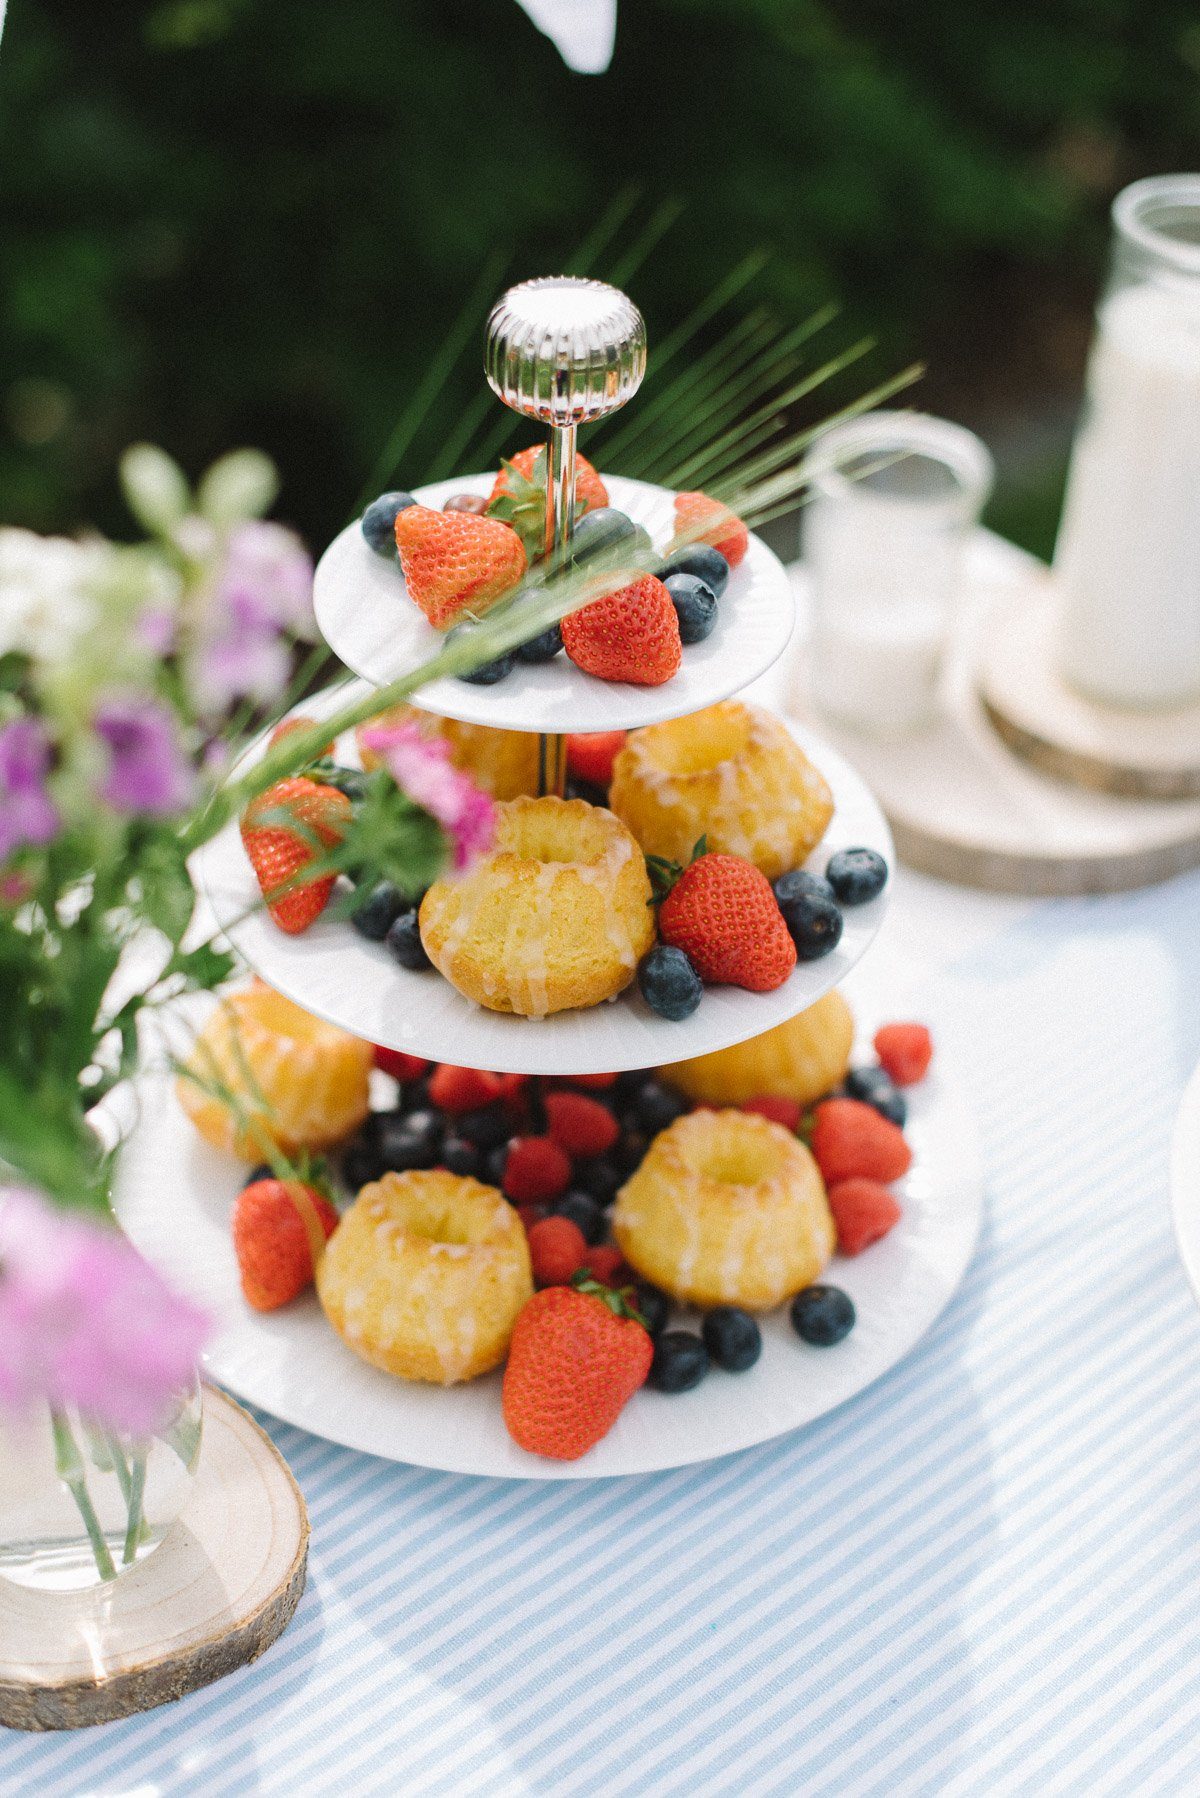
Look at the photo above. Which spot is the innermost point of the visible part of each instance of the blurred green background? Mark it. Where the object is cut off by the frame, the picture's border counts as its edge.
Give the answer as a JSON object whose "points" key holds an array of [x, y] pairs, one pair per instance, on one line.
{"points": [[254, 221]]}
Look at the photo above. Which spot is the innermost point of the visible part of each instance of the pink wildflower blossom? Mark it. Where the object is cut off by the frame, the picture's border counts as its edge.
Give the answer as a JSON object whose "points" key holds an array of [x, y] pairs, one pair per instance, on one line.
{"points": [[421, 767]]}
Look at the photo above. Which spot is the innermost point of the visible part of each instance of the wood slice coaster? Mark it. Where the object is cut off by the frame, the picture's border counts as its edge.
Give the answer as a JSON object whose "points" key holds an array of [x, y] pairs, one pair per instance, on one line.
{"points": [[964, 808], [1111, 749], [216, 1593]]}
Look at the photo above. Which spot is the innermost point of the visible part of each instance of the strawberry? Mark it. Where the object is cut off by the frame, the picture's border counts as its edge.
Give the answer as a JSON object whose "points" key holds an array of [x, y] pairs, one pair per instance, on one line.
{"points": [[596, 1083], [289, 726], [577, 1357], [454, 562], [557, 1250], [399, 1065], [580, 1125], [777, 1108], [463, 1089], [280, 850], [535, 1168], [722, 913], [905, 1052], [630, 635], [863, 1210], [280, 1228], [591, 756], [699, 519], [518, 496], [851, 1140]]}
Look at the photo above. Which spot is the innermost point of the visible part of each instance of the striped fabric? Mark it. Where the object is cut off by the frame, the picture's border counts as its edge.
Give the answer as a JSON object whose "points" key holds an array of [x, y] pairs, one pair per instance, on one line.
{"points": [[983, 1576]]}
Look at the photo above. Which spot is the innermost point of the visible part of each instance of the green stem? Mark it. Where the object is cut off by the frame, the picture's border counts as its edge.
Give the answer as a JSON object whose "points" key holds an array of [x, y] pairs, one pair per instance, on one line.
{"points": [[133, 1531], [69, 1465]]}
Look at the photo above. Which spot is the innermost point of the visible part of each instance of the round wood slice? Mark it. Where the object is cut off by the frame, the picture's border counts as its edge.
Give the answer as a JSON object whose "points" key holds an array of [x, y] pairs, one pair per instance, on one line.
{"points": [[964, 808], [1134, 753], [213, 1596]]}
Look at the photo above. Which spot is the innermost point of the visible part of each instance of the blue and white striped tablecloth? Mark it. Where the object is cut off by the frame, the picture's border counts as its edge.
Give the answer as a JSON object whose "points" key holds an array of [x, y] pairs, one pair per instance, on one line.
{"points": [[982, 1576]]}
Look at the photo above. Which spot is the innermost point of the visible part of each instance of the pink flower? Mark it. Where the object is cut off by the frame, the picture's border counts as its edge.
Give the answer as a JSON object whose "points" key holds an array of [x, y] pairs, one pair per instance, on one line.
{"points": [[84, 1321], [27, 813], [147, 769], [268, 570], [422, 768]]}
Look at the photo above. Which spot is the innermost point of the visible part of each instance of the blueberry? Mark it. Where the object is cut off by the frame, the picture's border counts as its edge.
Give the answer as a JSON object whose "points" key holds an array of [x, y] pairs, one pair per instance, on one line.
{"points": [[466, 502], [669, 983], [490, 672], [814, 921], [630, 1151], [708, 565], [680, 1362], [584, 1211], [264, 1171], [404, 941], [494, 1163], [822, 1315], [653, 1305], [360, 1164], [379, 911], [487, 1127], [732, 1338], [695, 606], [601, 1179], [656, 1106], [586, 790], [542, 648], [604, 531], [379, 521], [629, 1084], [462, 1157], [874, 1086], [856, 875], [799, 883], [408, 1141]]}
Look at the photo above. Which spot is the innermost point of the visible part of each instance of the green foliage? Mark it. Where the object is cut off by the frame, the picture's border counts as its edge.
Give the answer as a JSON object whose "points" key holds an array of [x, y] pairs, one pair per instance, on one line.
{"points": [[249, 220]]}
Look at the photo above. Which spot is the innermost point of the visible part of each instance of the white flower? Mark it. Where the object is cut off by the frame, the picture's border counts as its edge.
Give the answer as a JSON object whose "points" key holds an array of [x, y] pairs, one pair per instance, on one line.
{"points": [[47, 593]]}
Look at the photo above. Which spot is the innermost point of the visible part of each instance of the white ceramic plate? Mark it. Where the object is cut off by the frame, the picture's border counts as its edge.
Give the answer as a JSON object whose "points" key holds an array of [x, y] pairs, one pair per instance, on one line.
{"points": [[332, 971], [366, 617], [1185, 1181], [174, 1196]]}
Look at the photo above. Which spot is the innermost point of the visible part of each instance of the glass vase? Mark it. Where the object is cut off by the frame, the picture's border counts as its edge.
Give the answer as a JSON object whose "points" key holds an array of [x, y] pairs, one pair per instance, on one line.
{"points": [[81, 1505]]}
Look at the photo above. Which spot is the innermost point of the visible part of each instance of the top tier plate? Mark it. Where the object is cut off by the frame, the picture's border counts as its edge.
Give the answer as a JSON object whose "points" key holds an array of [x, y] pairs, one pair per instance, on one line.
{"points": [[367, 619]]}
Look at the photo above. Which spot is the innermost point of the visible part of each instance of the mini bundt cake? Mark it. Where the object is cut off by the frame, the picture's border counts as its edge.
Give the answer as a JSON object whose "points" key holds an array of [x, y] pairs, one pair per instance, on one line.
{"points": [[555, 917], [802, 1059], [503, 763], [726, 1208], [733, 774], [262, 1067], [425, 1276]]}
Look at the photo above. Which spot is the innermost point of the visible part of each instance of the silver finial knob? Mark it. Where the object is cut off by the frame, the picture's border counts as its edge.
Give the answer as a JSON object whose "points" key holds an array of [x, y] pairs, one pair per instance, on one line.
{"points": [[565, 350]]}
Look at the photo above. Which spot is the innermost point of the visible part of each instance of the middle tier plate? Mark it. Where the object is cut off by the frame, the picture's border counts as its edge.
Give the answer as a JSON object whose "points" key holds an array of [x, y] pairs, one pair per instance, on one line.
{"points": [[367, 618], [332, 971]]}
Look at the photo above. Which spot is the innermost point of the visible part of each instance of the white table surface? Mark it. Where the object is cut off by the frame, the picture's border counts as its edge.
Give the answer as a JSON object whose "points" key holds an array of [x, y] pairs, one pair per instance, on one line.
{"points": [[982, 1576]]}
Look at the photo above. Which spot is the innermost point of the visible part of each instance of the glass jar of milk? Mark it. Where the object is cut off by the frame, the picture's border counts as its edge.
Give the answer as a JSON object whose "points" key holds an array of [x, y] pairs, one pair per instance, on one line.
{"points": [[892, 499], [1127, 563]]}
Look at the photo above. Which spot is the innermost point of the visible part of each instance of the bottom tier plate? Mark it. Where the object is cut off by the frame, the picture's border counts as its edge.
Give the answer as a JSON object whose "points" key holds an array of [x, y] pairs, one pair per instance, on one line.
{"points": [[174, 1196]]}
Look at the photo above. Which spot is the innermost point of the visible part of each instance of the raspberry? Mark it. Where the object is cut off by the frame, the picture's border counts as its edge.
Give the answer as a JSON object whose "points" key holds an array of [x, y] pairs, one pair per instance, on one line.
{"points": [[535, 1168], [511, 1087], [399, 1065], [457, 1089], [596, 1083], [557, 1250], [905, 1050], [591, 756], [779, 1110], [851, 1139], [580, 1125], [602, 1263], [863, 1210]]}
